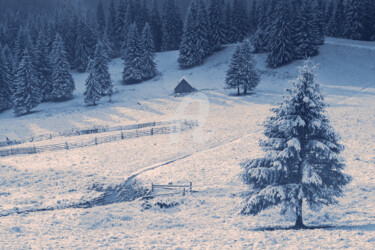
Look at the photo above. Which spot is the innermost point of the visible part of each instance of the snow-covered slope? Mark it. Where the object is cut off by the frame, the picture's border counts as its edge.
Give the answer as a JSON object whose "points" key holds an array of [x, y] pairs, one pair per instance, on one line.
{"points": [[208, 156]]}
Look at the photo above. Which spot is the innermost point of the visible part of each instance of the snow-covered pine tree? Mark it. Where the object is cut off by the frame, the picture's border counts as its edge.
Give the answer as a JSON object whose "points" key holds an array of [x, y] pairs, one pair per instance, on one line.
{"points": [[302, 162], [156, 27], [149, 65], [27, 94], [217, 25], [43, 66], [259, 40], [100, 69], [248, 73], [319, 23], [93, 87], [100, 17], [281, 43], [186, 57], [202, 30], [8, 64], [355, 18], [142, 14], [232, 80], [339, 19], [240, 24], [304, 34], [108, 46], [120, 25], [133, 57], [62, 81], [195, 45], [253, 18], [111, 28], [5, 82], [242, 72], [228, 23], [82, 49], [172, 26]]}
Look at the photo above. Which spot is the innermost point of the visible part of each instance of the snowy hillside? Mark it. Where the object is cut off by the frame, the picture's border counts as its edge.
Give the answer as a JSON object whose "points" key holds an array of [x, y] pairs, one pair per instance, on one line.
{"points": [[208, 156]]}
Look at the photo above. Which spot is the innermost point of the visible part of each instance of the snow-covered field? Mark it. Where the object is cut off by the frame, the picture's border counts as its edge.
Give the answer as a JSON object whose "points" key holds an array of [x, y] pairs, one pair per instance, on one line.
{"points": [[208, 156]]}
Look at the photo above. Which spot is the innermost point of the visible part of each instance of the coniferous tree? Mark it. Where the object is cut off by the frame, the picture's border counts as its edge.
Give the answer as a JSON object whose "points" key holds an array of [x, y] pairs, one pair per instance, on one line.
{"points": [[228, 22], [27, 93], [100, 68], [319, 23], [253, 18], [242, 72], [302, 162], [187, 54], [120, 25], [142, 14], [156, 27], [240, 23], [195, 44], [172, 26], [330, 29], [100, 17], [355, 20], [202, 32], [217, 25], [281, 43], [305, 39], [149, 65], [232, 80], [7, 63], [133, 57], [93, 88], [82, 49], [62, 81], [5, 81], [339, 19], [111, 28], [43, 66], [259, 39]]}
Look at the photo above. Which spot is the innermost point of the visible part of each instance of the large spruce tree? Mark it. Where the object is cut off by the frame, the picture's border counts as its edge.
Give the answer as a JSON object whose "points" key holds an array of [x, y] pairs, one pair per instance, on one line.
{"points": [[281, 43], [93, 86], [302, 164], [62, 81], [304, 36], [156, 25], [133, 57], [6, 81], [172, 26], [27, 94], [149, 65]]}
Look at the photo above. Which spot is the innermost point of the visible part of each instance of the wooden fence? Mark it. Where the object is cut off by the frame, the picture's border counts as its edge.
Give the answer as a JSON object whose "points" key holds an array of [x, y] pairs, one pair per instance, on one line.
{"points": [[185, 125], [160, 190], [92, 130]]}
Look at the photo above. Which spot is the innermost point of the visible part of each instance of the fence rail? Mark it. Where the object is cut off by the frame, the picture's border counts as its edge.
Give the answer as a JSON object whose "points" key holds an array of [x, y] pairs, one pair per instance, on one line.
{"points": [[92, 130], [185, 125]]}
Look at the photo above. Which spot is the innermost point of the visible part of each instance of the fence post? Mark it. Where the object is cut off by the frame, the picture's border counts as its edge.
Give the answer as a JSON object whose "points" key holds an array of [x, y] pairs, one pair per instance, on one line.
{"points": [[152, 187], [137, 133], [66, 146], [122, 135], [191, 187], [152, 131], [183, 192], [96, 140], [34, 150]]}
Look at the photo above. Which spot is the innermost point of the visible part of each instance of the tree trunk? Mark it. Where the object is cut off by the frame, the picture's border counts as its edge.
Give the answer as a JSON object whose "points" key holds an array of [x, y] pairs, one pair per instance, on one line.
{"points": [[238, 90], [245, 90], [299, 215]]}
